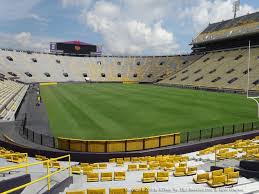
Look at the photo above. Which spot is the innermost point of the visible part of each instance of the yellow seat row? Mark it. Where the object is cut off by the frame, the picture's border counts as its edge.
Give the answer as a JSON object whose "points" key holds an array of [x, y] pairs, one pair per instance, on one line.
{"points": [[149, 177], [143, 190], [106, 176]]}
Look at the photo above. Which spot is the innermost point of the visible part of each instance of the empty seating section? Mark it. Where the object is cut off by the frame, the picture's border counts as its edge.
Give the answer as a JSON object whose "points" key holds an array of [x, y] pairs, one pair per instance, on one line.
{"points": [[220, 70], [11, 95], [146, 173], [238, 26], [42, 67]]}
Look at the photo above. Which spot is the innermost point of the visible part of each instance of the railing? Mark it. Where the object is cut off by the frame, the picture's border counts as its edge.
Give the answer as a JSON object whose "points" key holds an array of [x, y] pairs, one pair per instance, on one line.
{"points": [[15, 154], [122, 145], [48, 176], [198, 135]]}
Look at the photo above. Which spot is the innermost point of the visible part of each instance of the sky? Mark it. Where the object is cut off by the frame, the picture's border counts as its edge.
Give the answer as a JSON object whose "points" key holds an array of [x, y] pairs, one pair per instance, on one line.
{"points": [[121, 27]]}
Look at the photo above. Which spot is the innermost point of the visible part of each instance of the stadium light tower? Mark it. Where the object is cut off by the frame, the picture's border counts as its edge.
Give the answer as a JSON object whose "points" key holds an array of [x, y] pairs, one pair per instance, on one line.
{"points": [[236, 7]]}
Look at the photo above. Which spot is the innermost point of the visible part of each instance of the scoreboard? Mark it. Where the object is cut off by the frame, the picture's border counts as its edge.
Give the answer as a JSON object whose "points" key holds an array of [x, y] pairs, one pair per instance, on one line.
{"points": [[75, 47]]}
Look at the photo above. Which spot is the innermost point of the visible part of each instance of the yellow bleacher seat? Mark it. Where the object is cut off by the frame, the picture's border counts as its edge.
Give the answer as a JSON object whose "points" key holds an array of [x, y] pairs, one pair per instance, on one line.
{"points": [[132, 167], [82, 165], [154, 166], [179, 171], [169, 166], [127, 159], [87, 169], [106, 176], [56, 165], [162, 176], [76, 170], [135, 159], [228, 170], [112, 160], [96, 191], [148, 177], [118, 191], [143, 190], [120, 163], [102, 166], [119, 175], [201, 178], [183, 164], [18, 159], [94, 165], [192, 170], [92, 177], [232, 178], [142, 167], [76, 192], [217, 181], [217, 172]]}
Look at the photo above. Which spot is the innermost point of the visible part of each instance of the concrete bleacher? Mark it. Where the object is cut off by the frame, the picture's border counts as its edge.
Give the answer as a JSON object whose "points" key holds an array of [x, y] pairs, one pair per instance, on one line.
{"points": [[219, 69], [11, 95], [203, 160], [37, 64]]}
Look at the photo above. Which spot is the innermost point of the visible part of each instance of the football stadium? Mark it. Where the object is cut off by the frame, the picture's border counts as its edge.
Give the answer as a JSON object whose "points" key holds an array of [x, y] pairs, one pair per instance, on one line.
{"points": [[74, 120]]}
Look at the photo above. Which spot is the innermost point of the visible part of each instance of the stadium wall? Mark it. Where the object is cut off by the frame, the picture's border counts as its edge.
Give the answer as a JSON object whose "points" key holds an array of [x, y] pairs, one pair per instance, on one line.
{"points": [[124, 145], [102, 157]]}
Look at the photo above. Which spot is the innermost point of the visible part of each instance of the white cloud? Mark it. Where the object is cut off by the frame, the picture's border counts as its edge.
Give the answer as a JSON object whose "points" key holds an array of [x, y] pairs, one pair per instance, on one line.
{"points": [[76, 3], [25, 41], [123, 33], [205, 12]]}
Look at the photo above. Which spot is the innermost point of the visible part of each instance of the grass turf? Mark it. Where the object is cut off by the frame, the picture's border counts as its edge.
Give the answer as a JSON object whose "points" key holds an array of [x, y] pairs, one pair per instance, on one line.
{"points": [[116, 111]]}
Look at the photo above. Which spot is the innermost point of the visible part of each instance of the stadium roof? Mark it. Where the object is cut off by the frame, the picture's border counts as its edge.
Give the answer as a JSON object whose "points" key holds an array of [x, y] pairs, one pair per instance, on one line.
{"points": [[250, 18], [240, 26]]}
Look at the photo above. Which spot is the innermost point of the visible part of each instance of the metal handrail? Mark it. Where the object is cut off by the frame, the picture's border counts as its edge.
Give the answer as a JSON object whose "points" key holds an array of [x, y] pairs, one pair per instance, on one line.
{"points": [[41, 178]]}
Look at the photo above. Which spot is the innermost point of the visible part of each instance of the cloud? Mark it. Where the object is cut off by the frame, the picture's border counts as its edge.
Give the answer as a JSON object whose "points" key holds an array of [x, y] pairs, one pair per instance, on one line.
{"points": [[123, 33], [204, 12], [17, 9], [76, 3], [25, 41]]}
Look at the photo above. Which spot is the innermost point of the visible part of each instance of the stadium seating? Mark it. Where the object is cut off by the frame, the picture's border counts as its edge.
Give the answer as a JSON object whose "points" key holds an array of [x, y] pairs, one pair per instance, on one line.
{"points": [[105, 68], [11, 95], [219, 70]]}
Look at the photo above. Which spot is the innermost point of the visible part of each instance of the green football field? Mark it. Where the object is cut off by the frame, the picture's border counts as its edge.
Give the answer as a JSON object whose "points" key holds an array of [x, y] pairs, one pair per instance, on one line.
{"points": [[116, 111]]}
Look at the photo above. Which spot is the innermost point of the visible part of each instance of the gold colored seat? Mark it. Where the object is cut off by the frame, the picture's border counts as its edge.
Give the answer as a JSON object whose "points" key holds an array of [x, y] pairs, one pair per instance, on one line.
{"points": [[76, 170], [232, 178], [162, 176], [132, 167], [179, 171], [143, 190], [120, 176], [201, 178], [217, 181], [148, 177], [87, 169], [102, 165], [106, 176], [192, 170], [118, 191], [120, 163], [126, 159], [96, 191], [217, 172], [76, 192], [92, 177], [112, 160], [142, 167], [169, 166], [228, 170]]}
